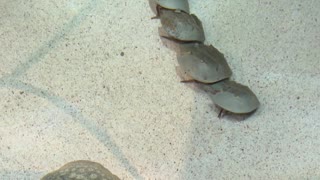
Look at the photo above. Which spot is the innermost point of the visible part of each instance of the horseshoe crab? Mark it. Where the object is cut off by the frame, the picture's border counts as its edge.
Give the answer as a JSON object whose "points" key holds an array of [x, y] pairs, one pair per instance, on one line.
{"points": [[232, 96], [169, 4], [180, 26], [203, 63], [81, 170]]}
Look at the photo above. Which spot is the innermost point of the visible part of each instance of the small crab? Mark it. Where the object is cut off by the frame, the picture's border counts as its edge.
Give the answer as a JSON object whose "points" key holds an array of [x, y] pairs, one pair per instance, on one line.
{"points": [[203, 63], [181, 26], [232, 97]]}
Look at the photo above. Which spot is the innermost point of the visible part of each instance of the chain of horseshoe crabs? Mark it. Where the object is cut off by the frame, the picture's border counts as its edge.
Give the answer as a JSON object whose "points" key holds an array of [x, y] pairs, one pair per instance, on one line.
{"points": [[199, 63]]}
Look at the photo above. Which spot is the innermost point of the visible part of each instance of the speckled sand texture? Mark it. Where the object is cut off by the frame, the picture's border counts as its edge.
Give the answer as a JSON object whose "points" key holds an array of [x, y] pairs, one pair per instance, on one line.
{"points": [[92, 80]]}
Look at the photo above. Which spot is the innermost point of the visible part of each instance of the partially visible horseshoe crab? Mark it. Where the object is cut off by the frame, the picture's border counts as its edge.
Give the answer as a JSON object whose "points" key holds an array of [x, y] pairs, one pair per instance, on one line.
{"points": [[169, 4], [82, 169]]}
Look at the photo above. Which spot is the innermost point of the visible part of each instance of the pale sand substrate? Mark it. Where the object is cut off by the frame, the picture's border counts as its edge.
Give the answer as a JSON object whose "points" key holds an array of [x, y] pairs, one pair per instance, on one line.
{"points": [[92, 80]]}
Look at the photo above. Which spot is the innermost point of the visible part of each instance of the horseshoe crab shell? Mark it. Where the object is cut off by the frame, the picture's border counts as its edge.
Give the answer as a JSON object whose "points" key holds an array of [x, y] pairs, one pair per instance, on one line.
{"points": [[203, 63], [232, 96], [81, 170], [181, 26], [169, 4]]}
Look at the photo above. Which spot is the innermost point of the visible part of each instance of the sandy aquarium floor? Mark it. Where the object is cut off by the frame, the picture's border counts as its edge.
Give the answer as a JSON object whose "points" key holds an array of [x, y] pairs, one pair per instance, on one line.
{"points": [[92, 80]]}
